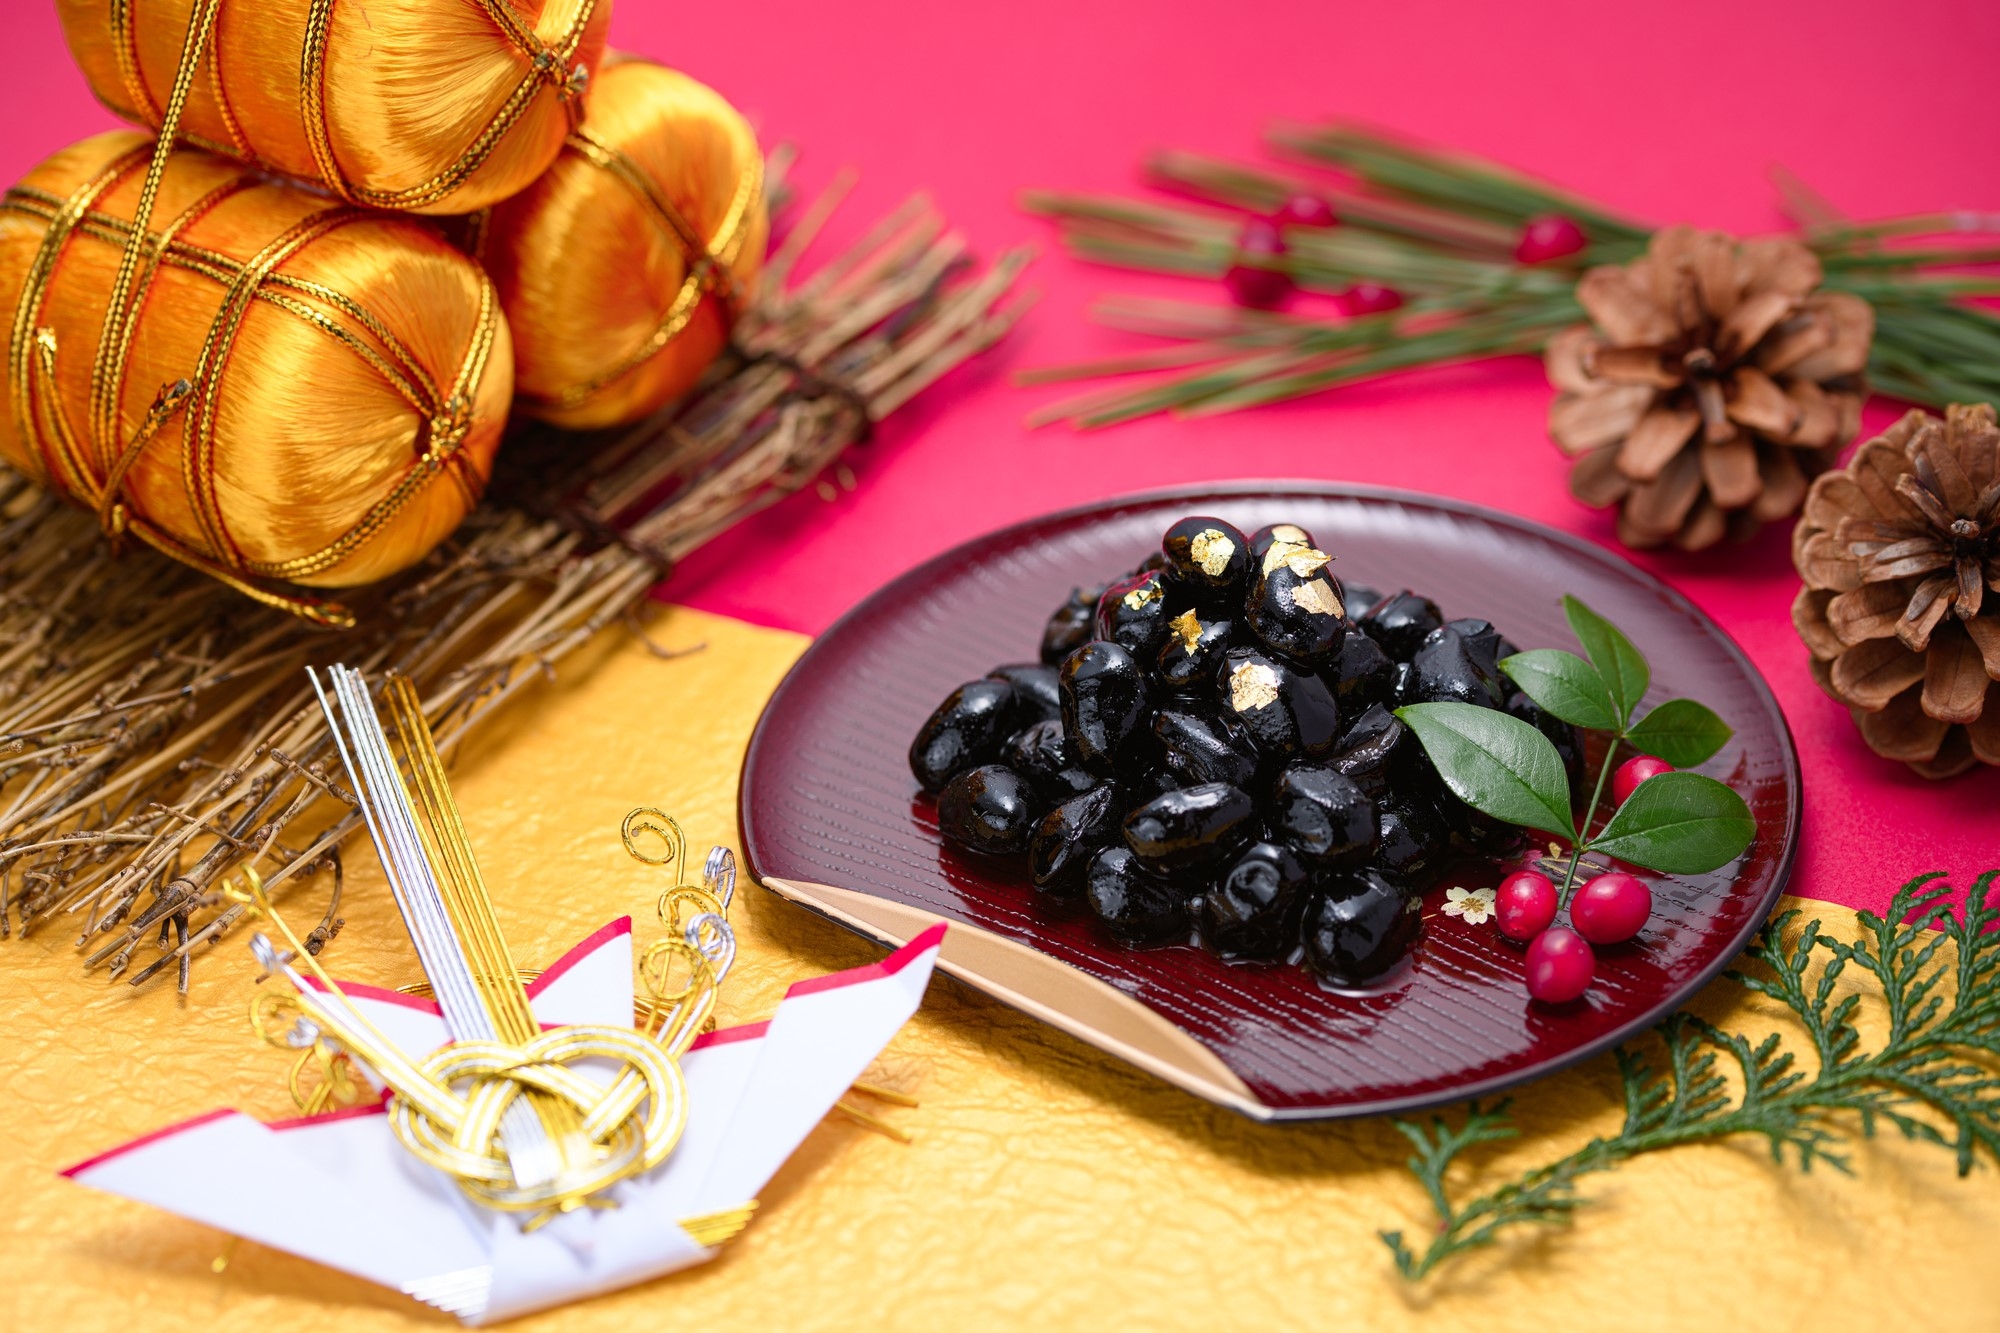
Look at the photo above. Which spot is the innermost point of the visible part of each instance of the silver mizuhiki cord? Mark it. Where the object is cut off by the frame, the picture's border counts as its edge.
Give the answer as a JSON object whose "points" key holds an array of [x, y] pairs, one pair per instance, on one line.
{"points": [[386, 806]]}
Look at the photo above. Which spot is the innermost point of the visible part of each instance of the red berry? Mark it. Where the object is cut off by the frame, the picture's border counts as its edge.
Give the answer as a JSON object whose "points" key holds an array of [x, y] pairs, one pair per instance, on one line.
{"points": [[1611, 908], [1634, 771], [1305, 210], [1525, 904], [1547, 238], [1559, 966], [1263, 288], [1368, 298]]}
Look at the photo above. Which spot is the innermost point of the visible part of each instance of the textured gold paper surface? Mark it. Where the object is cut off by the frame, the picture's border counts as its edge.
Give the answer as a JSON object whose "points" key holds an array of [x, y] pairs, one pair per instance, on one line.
{"points": [[1048, 1187]]}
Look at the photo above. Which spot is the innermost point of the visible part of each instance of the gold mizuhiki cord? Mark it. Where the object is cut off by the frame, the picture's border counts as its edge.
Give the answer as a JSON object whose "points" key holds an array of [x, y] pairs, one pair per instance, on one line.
{"points": [[461, 1109], [548, 67], [93, 466], [708, 259]]}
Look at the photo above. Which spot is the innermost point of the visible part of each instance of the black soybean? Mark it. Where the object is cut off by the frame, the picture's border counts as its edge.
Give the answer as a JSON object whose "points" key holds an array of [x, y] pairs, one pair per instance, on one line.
{"points": [[1208, 556], [1069, 837], [967, 730], [1193, 652], [1295, 604], [1483, 642], [1193, 826], [1361, 674], [1252, 909], [1324, 816], [1197, 745], [1037, 689], [1073, 625], [987, 809], [1358, 925], [1043, 754], [1446, 670], [1133, 613], [1289, 714], [1105, 707], [1414, 838], [1273, 534], [1134, 904], [1400, 622]]}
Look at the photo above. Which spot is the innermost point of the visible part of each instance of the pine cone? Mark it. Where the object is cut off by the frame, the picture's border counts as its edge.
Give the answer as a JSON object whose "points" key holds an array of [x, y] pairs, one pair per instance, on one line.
{"points": [[1715, 383], [1900, 553]]}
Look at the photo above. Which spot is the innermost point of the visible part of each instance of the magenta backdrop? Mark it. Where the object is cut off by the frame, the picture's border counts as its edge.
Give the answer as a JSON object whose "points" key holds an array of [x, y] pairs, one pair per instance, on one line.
{"points": [[1669, 113]]}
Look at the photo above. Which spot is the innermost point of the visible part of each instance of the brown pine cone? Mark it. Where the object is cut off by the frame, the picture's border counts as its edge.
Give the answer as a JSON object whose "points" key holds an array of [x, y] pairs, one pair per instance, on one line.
{"points": [[1900, 553], [1712, 385]]}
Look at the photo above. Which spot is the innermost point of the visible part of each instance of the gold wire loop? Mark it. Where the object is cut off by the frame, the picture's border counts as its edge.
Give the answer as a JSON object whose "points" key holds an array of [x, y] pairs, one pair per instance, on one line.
{"points": [[647, 819]]}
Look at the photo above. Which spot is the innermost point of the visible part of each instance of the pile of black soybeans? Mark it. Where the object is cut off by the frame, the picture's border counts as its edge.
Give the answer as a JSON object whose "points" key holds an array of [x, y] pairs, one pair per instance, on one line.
{"points": [[1207, 749]]}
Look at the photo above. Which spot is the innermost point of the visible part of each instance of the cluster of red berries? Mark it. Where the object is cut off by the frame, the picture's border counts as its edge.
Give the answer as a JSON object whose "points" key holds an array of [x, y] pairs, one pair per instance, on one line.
{"points": [[1609, 909], [1542, 239]]}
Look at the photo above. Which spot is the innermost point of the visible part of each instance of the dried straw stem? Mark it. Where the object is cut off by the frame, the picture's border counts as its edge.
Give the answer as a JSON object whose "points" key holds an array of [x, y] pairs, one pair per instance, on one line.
{"points": [[156, 730]]}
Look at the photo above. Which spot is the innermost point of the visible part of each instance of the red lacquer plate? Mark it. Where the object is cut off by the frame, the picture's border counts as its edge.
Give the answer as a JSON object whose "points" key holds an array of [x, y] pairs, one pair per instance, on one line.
{"points": [[832, 818]]}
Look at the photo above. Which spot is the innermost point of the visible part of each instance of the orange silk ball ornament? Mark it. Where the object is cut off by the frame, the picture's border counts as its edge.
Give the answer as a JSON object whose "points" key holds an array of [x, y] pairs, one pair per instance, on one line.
{"points": [[293, 391], [622, 268], [431, 106]]}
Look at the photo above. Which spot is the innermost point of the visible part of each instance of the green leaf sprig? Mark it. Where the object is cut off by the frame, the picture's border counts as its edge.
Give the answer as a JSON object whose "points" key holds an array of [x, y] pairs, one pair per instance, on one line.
{"points": [[1935, 1078], [1678, 823]]}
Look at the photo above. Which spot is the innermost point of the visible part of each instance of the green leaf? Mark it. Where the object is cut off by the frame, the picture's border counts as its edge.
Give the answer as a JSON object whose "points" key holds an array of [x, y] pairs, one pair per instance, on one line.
{"points": [[1565, 685], [1495, 763], [1622, 666], [1680, 731], [1679, 823]]}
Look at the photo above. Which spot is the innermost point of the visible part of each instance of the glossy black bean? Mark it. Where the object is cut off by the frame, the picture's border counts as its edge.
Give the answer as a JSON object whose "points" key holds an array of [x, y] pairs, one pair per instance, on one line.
{"points": [[1252, 909], [988, 809], [1400, 622], [1133, 613], [1482, 641], [1043, 754], [1037, 689], [1567, 739], [1106, 705], [1361, 674], [1324, 816], [1136, 906], [1361, 599], [1358, 925], [1414, 839], [1402, 685], [1295, 605], [1289, 714], [1069, 836], [1380, 754], [1199, 745], [1208, 556], [1073, 625], [967, 730], [1193, 826], [1272, 534], [1446, 670], [1153, 782], [1193, 652]]}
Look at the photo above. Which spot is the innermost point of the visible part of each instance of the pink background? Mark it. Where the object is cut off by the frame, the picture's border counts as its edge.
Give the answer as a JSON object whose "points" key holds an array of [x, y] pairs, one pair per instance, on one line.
{"points": [[1665, 112]]}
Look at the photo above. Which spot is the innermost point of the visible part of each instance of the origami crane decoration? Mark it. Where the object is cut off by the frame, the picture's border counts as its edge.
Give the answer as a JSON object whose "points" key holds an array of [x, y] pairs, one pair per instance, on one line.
{"points": [[530, 1145]]}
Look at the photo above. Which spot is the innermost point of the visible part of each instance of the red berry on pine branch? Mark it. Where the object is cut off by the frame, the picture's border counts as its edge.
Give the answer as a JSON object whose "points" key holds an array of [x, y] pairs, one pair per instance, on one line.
{"points": [[1262, 288], [1546, 238]]}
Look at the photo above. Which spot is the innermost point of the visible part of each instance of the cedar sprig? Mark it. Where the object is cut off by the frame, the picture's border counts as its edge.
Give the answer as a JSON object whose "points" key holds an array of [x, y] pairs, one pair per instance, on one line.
{"points": [[1934, 1078], [1441, 230]]}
